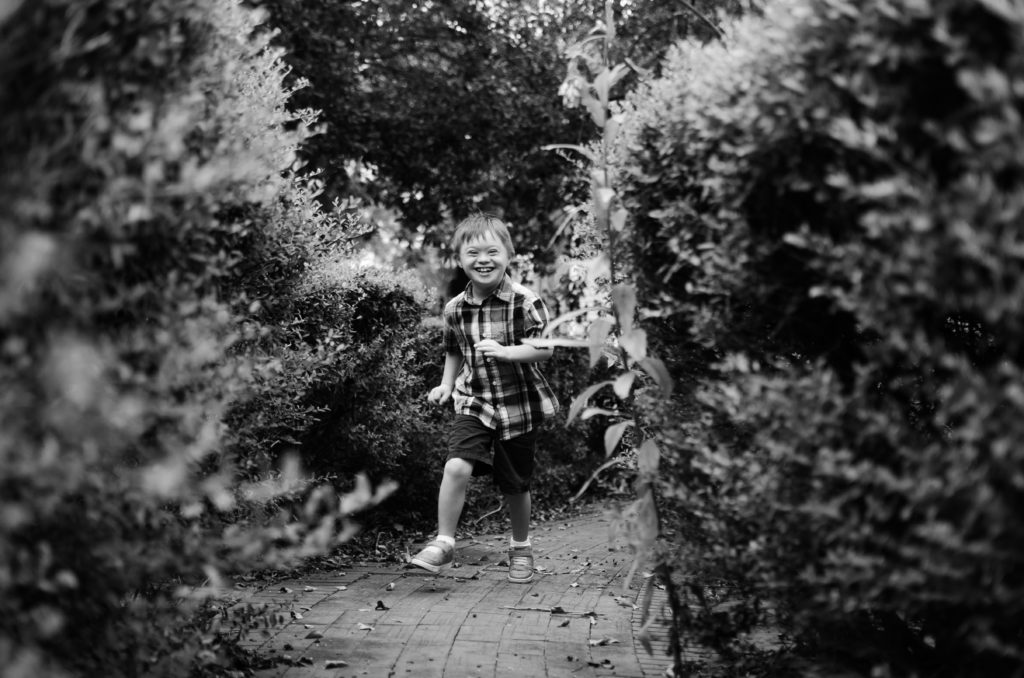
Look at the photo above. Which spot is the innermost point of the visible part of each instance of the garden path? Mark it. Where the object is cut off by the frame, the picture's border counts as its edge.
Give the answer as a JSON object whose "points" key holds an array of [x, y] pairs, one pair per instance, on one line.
{"points": [[384, 620]]}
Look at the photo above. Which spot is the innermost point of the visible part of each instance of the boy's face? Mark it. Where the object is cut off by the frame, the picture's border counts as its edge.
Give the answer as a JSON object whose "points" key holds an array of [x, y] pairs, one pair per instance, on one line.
{"points": [[485, 260]]}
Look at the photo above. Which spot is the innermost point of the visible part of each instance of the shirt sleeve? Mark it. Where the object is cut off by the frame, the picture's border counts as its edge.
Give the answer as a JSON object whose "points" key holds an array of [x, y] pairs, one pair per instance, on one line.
{"points": [[535, 318], [451, 342]]}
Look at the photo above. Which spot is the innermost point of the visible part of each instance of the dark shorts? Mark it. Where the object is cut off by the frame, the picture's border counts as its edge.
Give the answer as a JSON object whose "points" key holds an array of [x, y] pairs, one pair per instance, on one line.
{"points": [[510, 461]]}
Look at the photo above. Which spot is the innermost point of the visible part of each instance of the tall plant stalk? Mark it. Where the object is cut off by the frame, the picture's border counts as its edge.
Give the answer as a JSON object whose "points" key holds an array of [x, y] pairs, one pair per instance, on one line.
{"points": [[615, 324]]}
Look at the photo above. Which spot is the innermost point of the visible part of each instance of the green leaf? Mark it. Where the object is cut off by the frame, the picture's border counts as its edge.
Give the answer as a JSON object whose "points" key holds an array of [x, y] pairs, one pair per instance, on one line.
{"points": [[595, 411], [617, 220], [623, 384], [585, 152], [598, 335], [648, 457], [635, 343], [608, 464], [624, 301], [613, 435], [597, 110], [602, 200], [657, 370], [607, 79], [599, 266], [581, 400]]}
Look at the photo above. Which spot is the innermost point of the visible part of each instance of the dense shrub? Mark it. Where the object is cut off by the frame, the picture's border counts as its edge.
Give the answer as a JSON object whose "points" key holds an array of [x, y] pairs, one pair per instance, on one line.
{"points": [[148, 223], [831, 207], [369, 394]]}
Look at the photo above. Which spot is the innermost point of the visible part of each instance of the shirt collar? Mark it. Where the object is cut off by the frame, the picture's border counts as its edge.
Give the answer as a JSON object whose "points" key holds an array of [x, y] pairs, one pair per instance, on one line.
{"points": [[503, 291]]}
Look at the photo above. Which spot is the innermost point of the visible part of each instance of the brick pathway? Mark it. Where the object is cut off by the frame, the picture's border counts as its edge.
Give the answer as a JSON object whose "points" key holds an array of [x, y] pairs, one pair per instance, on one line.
{"points": [[383, 620]]}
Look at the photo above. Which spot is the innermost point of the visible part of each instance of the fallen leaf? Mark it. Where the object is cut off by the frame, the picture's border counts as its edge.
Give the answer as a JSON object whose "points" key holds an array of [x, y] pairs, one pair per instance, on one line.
{"points": [[391, 586], [314, 635], [573, 585], [285, 589], [365, 627], [296, 615], [341, 588], [565, 623], [602, 642], [335, 664], [382, 606], [309, 589]]}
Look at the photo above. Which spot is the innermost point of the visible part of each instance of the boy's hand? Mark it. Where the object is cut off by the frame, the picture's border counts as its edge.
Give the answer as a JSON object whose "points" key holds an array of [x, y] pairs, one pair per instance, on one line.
{"points": [[489, 348], [439, 395]]}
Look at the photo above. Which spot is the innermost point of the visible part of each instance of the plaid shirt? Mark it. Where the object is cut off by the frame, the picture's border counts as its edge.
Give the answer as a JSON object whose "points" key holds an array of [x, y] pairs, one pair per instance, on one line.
{"points": [[512, 398]]}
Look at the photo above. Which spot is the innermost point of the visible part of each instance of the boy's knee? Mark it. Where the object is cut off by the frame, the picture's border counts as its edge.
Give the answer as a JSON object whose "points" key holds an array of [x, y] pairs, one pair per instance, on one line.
{"points": [[458, 469]]}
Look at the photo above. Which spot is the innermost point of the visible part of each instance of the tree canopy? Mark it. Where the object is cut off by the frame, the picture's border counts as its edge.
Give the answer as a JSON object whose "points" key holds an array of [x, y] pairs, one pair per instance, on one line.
{"points": [[438, 107]]}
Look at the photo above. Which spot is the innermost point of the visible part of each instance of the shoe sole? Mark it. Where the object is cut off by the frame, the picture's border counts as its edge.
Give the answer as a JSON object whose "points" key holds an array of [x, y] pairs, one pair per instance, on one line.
{"points": [[432, 569], [527, 580]]}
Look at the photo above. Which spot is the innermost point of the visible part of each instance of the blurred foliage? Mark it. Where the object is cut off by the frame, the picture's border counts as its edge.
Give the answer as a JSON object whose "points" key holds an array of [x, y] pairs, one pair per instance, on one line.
{"points": [[149, 223], [828, 215]]}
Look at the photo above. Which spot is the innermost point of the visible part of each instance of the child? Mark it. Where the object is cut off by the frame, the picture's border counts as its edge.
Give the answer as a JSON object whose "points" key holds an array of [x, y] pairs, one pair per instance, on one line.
{"points": [[499, 393]]}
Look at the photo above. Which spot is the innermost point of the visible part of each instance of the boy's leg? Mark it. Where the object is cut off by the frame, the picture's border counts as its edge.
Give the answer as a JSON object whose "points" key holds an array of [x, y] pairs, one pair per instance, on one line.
{"points": [[469, 444], [513, 469], [519, 513], [452, 496]]}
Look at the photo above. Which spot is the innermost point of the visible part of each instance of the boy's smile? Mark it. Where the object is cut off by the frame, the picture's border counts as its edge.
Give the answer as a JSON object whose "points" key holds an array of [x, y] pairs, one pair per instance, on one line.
{"points": [[485, 261]]}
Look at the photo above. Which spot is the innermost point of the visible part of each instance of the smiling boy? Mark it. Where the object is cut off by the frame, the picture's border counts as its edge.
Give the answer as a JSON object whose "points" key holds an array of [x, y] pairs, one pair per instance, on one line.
{"points": [[499, 393]]}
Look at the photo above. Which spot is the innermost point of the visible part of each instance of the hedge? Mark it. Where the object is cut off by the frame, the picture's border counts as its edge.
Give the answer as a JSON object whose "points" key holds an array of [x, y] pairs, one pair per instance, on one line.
{"points": [[150, 224], [830, 208]]}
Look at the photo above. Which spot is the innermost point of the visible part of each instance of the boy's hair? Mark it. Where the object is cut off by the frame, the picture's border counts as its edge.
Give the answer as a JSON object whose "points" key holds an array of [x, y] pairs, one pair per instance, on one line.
{"points": [[478, 225]]}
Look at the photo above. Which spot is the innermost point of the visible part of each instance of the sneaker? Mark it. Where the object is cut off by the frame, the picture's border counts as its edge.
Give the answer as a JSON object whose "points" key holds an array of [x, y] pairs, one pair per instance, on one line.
{"points": [[434, 556], [520, 564]]}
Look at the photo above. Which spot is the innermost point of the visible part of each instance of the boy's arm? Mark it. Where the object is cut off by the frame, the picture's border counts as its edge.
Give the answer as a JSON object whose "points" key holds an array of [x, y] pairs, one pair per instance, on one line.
{"points": [[536, 318], [452, 365], [521, 353]]}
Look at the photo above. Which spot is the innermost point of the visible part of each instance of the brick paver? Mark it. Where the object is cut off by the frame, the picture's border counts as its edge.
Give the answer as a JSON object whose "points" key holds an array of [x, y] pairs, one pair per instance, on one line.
{"points": [[382, 619]]}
